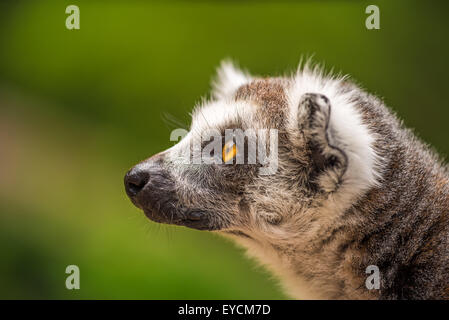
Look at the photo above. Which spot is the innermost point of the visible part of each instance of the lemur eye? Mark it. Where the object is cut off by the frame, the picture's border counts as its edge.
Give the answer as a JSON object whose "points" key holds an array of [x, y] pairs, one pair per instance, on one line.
{"points": [[229, 151]]}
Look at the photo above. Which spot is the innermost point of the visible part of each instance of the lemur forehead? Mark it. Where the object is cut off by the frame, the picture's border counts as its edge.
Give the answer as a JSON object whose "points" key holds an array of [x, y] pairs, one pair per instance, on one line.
{"points": [[258, 104], [269, 94]]}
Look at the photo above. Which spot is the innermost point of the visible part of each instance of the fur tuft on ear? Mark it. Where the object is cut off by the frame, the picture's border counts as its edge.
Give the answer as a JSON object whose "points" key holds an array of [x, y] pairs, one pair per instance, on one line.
{"points": [[329, 162], [229, 78]]}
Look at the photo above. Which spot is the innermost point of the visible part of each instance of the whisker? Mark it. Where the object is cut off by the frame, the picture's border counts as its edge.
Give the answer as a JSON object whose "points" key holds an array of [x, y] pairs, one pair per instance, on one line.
{"points": [[172, 121]]}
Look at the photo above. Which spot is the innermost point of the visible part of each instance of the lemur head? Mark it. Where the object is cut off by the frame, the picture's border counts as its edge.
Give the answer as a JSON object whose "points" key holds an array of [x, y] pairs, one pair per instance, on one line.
{"points": [[265, 158]]}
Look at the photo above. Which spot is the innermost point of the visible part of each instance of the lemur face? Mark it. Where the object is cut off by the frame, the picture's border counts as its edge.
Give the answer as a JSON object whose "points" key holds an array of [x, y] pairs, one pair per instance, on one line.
{"points": [[257, 159]]}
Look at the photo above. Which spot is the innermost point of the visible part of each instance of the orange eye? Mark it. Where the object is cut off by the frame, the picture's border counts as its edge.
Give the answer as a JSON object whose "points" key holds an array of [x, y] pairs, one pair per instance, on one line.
{"points": [[229, 151]]}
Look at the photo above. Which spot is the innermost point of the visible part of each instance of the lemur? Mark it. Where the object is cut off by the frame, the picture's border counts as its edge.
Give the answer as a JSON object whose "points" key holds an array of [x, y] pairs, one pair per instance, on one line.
{"points": [[353, 188]]}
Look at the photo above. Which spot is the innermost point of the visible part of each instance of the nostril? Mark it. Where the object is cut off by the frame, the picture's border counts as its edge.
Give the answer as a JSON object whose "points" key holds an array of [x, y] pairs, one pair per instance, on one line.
{"points": [[135, 182], [135, 187]]}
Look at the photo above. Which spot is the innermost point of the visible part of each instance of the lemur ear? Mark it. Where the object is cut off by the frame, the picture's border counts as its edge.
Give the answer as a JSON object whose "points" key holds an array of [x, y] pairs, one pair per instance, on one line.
{"points": [[228, 79], [329, 162]]}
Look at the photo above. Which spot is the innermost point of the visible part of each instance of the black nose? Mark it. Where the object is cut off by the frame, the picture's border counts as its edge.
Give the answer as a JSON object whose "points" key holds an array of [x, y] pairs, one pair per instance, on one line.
{"points": [[135, 180]]}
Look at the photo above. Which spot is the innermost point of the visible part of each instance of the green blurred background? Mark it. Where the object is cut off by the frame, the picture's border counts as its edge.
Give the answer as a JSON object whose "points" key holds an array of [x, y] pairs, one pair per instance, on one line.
{"points": [[79, 107]]}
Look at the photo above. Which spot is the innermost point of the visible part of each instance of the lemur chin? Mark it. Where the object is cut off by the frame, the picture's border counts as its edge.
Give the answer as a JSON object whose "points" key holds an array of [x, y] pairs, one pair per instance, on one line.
{"points": [[351, 188]]}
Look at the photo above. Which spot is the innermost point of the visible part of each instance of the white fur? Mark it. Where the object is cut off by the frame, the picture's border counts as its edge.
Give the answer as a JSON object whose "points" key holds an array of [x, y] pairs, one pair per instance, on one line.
{"points": [[229, 79], [215, 114]]}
